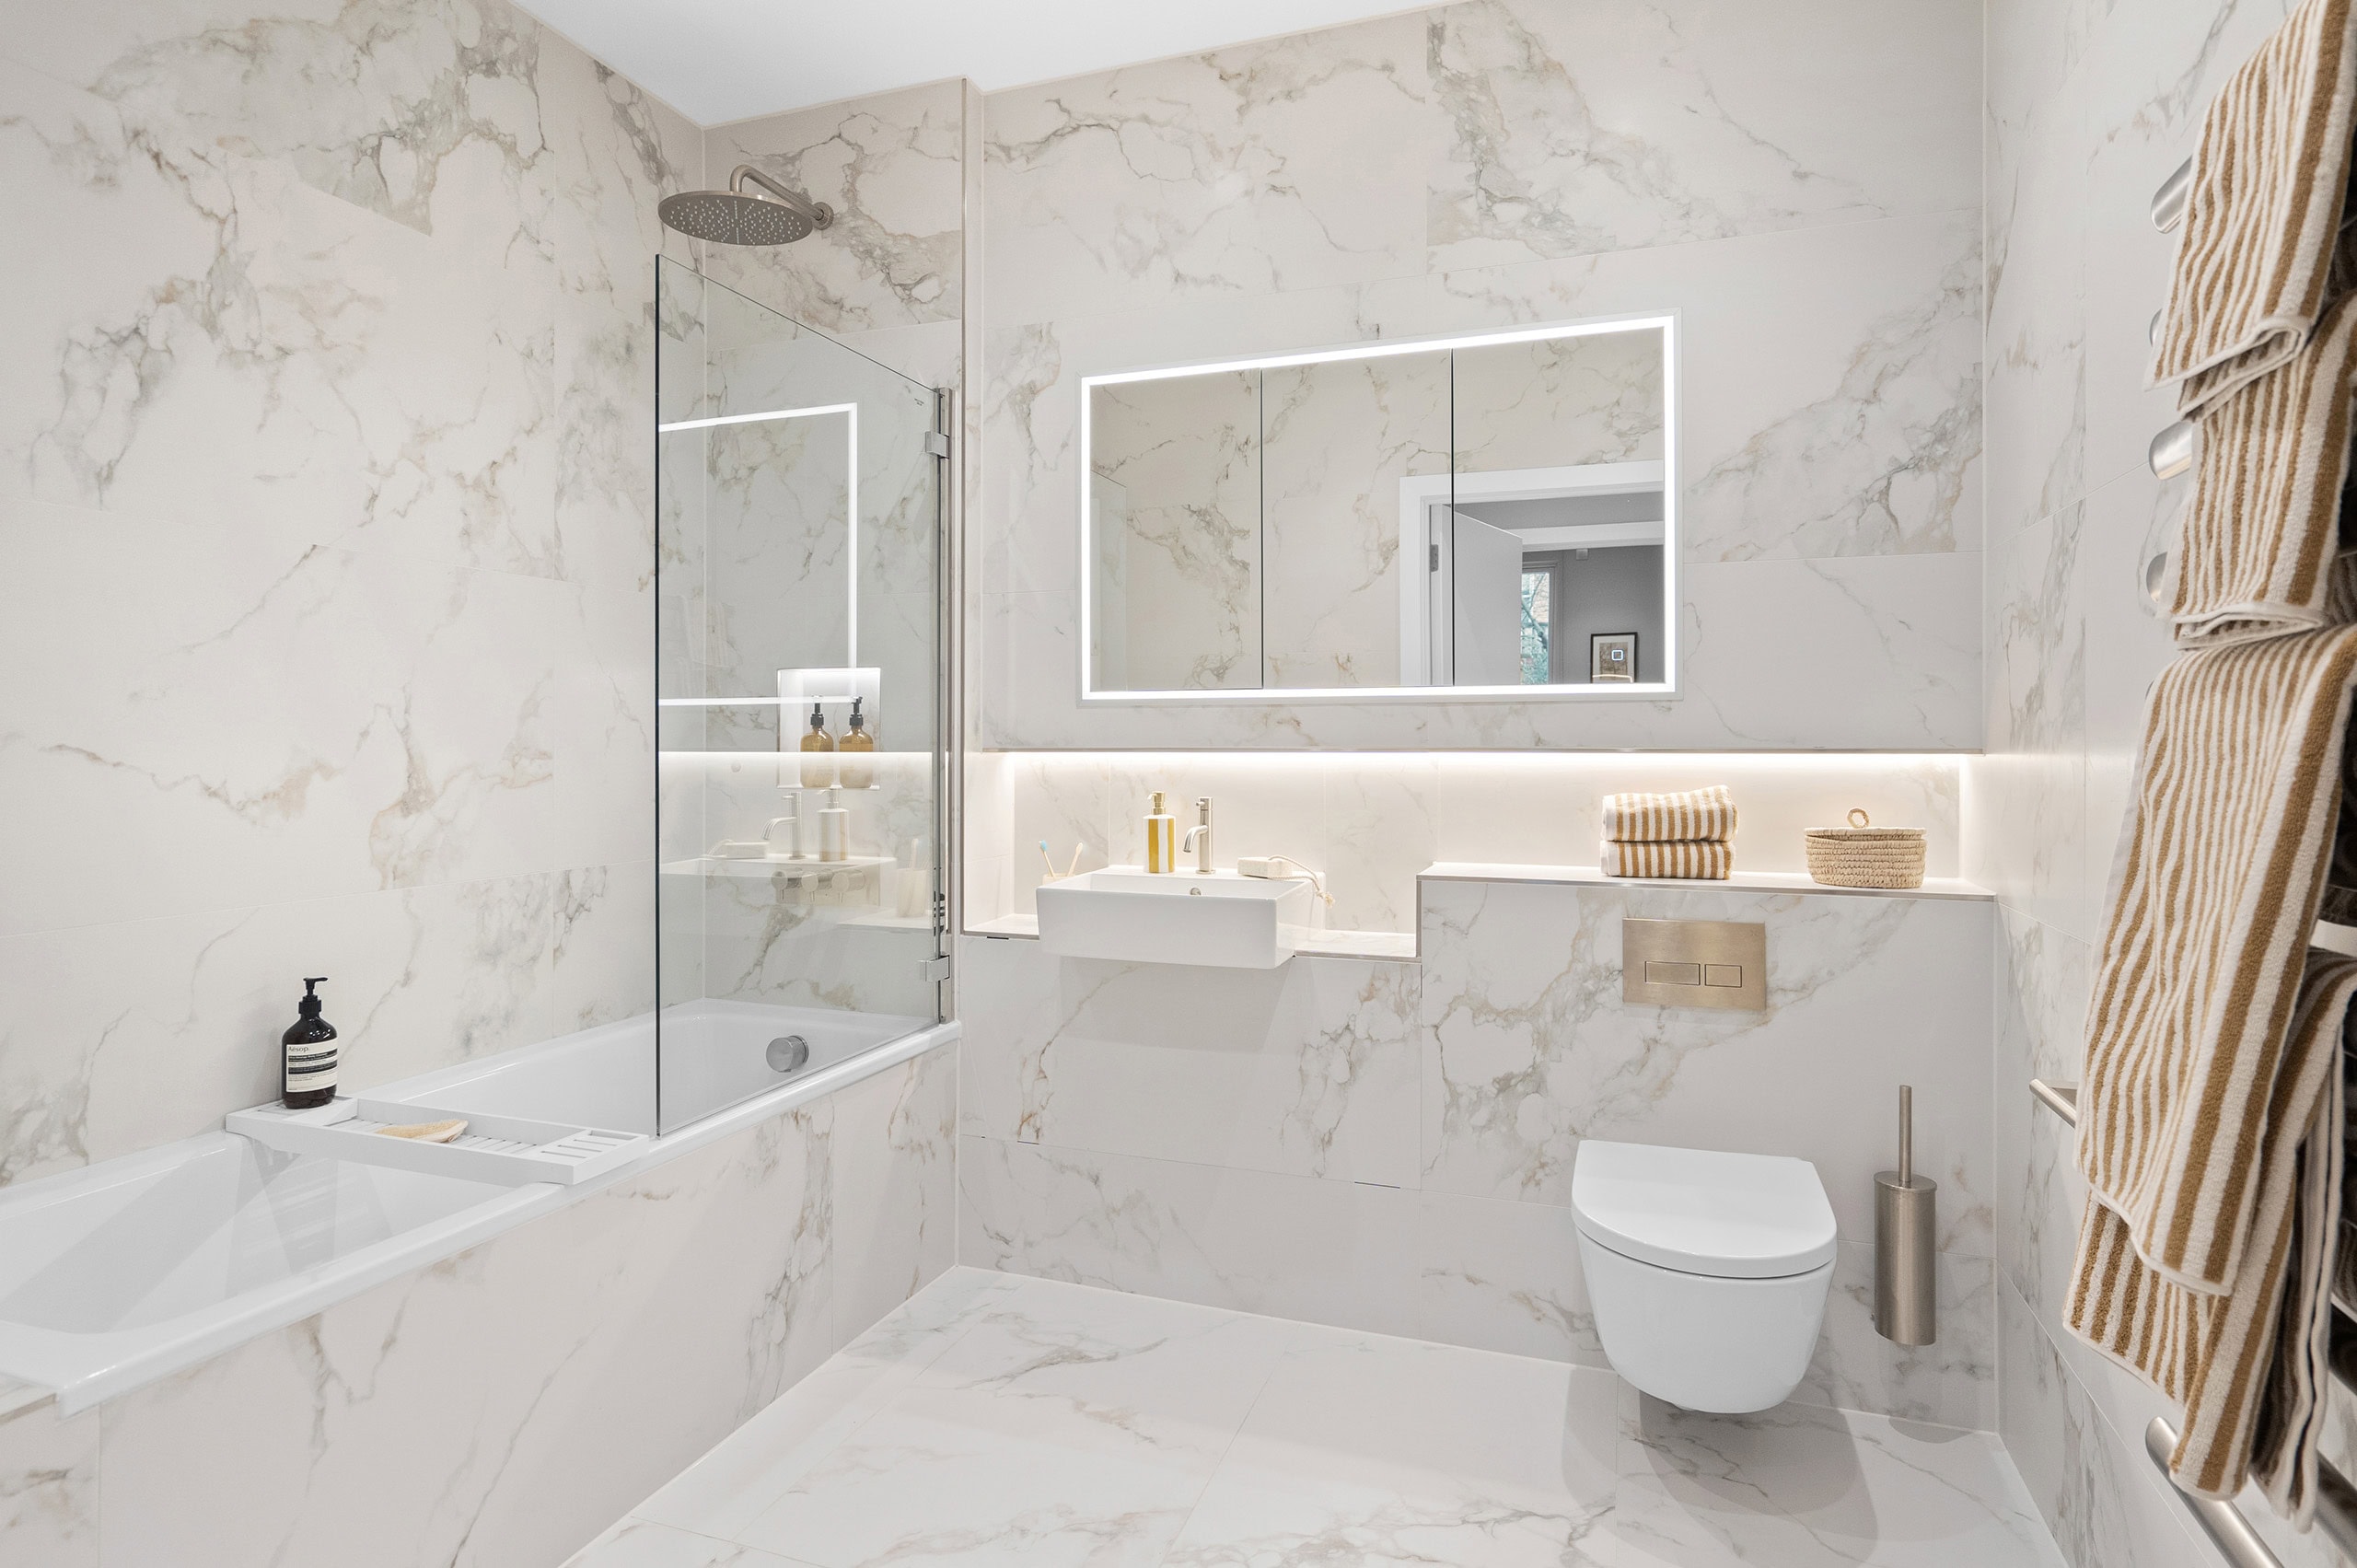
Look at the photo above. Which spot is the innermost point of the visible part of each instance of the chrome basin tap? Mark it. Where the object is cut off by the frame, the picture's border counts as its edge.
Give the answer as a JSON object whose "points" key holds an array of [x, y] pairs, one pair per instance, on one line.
{"points": [[1199, 837]]}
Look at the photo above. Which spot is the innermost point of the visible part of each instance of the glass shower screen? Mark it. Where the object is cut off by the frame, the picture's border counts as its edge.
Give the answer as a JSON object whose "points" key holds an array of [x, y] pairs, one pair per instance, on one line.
{"points": [[799, 678]]}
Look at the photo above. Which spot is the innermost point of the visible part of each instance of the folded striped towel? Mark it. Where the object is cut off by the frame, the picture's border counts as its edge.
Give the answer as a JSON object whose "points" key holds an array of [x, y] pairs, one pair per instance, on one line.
{"points": [[2222, 863], [1708, 859], [2249, 1364], [2254, 261], [2260, 534], [1707, 813]]}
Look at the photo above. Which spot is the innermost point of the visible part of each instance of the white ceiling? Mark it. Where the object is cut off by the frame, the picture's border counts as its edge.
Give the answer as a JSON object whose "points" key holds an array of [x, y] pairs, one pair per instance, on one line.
{"points": [[722, 60]]}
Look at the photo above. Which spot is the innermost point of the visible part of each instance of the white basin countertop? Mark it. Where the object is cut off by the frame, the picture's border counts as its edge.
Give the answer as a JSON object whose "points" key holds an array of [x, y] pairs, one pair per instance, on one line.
{"points": [[1401, 945]]}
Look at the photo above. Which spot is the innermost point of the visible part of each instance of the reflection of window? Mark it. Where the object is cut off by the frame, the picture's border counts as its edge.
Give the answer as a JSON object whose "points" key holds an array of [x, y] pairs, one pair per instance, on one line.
{"points": [[1538, 624]]}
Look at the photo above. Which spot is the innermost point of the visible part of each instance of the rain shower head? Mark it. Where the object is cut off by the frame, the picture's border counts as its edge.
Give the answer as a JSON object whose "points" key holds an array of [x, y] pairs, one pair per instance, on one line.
{"points": [[735, 217]]}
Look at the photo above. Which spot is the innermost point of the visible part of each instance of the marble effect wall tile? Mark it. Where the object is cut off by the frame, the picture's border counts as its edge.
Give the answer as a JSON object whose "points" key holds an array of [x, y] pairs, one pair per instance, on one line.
{"points": [[335, 401], [1252, 1140], [1459, 1269], [891, 166], [1370, 823], [1828, 450], [2089, 108], [1575, 131], [1309, 1070], [1531, 1050], [49, 1489], [465, 1412]]}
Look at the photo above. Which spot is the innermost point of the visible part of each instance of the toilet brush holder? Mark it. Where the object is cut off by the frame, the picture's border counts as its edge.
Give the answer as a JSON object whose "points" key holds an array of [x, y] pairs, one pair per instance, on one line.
{"points": [[1906, 1243]]}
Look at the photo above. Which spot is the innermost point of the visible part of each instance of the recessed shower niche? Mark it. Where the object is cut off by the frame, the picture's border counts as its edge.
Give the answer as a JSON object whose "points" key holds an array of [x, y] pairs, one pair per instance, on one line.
{"points": [[799, 615]]}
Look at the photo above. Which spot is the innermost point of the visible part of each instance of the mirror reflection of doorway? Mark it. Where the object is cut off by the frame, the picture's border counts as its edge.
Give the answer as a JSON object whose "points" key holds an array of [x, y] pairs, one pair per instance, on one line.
{"points": [[1524, 568], [1570, 597]]}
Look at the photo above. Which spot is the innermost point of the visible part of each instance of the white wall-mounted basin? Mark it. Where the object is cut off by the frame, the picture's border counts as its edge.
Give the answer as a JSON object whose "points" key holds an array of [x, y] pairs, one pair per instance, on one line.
{"points": [[1130, 915]]}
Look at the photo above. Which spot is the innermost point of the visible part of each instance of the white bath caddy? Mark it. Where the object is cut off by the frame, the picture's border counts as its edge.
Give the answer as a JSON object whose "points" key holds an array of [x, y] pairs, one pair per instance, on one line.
{"points": [[509, 1149]]}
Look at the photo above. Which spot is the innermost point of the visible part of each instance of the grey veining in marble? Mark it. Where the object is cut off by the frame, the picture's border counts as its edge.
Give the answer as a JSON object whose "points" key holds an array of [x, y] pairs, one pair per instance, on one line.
{"points": [[503, 1406], [2088, 108], [340, 391], [994, 1420], [1497, 163]]}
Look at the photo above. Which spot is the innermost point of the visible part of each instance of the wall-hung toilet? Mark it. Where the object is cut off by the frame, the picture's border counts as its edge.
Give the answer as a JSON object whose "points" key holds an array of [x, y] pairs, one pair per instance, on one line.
{"points": [[1707, 1271]]}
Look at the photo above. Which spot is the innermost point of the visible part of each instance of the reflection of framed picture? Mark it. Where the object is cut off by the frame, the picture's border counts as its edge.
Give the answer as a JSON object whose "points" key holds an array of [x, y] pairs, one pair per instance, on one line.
{"points": [[1612, 656]]}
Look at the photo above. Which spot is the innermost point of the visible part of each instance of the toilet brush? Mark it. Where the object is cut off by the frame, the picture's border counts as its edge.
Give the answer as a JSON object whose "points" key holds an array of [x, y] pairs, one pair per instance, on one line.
{"points": [[1906, 1242]]}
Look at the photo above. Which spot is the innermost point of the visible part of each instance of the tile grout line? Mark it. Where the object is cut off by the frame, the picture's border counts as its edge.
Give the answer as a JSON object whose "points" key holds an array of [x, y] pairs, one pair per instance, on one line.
{"points": [[1221, 1463]]}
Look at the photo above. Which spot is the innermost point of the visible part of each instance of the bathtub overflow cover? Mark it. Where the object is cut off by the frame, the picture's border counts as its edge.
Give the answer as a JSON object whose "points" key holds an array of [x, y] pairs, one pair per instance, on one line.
{"points": [[787, 1052]]}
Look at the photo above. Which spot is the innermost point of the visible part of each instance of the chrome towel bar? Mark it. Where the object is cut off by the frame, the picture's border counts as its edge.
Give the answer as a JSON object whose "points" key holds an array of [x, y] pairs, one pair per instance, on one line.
{"points": [[2172, 450], [2223, 1522], [2168, 201]]}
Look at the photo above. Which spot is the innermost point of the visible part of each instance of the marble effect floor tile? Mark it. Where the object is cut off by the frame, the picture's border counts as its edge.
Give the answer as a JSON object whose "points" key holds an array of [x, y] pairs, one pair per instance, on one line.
{"points": [[995, 1418]]}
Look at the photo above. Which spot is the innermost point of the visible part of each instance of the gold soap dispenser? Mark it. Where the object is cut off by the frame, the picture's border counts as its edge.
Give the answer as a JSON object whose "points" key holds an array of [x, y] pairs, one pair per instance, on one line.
{"points": [[1161, 839]]}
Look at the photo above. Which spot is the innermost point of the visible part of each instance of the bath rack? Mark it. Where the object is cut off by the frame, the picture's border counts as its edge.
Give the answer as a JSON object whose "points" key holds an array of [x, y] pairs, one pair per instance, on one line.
{"points": [[2223, 1522], [511, 1150]]}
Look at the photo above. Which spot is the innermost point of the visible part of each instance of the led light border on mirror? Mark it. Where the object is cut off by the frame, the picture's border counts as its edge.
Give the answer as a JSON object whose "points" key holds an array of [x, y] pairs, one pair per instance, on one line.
{"points": [[1665, 322], [850, 507]]}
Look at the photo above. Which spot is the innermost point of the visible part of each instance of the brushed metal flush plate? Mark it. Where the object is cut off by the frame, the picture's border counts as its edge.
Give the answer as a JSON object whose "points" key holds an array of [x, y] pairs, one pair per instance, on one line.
{"points": [[1695, 963]]}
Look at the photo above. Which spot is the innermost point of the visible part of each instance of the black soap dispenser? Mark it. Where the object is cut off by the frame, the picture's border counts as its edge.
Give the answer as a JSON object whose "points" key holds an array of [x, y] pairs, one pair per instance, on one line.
{"points": [[310, 1054]]}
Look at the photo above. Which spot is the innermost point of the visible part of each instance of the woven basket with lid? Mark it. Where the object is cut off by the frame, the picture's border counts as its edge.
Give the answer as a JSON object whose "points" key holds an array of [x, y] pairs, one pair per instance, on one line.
{"points": [[1863, 856]]}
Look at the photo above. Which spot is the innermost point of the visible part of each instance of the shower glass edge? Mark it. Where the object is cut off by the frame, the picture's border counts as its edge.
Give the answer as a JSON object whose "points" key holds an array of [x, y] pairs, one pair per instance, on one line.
{"points": [[798, 549]]}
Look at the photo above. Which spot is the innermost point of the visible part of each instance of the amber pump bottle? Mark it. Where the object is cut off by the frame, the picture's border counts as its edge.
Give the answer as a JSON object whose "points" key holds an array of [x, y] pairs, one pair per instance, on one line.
{"points": [[859, 773], [817, 770], [309, 1054]]}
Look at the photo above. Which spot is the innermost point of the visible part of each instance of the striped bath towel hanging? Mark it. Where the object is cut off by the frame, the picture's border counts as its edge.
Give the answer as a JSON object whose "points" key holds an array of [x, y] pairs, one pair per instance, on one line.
{"points": [[2254, 264], [2220, 866], [2246, 1363], [2260, 534]]}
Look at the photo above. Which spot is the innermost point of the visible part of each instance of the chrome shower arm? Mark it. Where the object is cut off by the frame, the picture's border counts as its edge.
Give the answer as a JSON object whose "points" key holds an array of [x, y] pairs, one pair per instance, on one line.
{"points": [[818, 213]]}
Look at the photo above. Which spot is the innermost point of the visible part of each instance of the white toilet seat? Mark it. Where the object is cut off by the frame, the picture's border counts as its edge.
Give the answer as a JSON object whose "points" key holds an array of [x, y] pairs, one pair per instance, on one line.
{"points": [[1707, 1271], [1703, 1212]]}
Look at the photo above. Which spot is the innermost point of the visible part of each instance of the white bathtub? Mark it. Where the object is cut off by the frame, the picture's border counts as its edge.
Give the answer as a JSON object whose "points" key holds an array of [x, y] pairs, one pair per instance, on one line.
{"points": [[121, 1272]]}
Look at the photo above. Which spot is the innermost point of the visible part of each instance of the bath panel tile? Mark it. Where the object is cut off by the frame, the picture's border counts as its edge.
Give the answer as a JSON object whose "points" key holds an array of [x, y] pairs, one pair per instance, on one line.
{"points": [[895, 1188], [49, 1489], [673, 1306]]}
